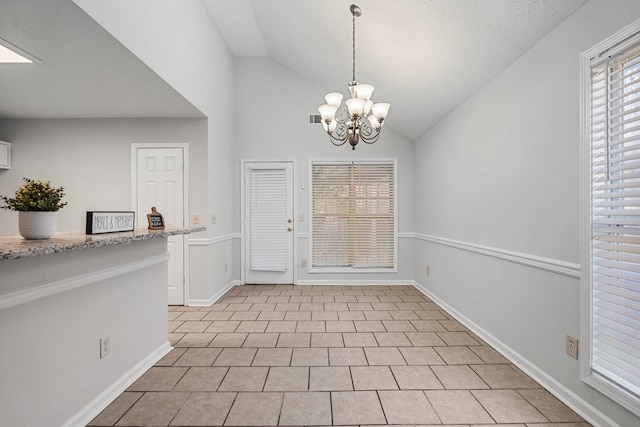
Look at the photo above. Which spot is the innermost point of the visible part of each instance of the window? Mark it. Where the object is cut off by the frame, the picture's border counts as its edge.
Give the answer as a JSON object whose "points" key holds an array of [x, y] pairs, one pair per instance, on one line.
{"points": [[353, 221], [611, 274]]}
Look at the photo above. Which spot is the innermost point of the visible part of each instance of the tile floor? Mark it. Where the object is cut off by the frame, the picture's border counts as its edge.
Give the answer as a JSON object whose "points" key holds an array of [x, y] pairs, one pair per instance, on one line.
{"points": [[330, 355]]}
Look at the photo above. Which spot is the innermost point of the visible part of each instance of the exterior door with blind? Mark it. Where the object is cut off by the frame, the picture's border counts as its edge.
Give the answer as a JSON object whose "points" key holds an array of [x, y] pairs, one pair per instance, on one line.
{"points": [[160, 183], [268, 223]]}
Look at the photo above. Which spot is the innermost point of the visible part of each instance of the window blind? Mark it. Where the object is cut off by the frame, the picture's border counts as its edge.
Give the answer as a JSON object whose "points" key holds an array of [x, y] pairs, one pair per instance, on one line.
{"points": [[615, 219], [353, 215], [268, 231]]}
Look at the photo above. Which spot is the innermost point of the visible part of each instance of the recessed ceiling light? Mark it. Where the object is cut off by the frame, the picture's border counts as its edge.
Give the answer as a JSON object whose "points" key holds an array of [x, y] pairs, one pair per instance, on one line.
{"points": [[10, 54]]}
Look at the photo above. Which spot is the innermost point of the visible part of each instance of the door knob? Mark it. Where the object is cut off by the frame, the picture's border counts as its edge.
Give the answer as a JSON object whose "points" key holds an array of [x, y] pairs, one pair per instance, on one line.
{"points": [[289, 229], [289, 220]]}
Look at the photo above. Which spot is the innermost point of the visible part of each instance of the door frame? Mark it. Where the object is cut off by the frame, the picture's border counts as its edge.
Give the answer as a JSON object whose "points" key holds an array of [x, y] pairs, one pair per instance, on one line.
{"points": [[186, 219], [243, 239]]}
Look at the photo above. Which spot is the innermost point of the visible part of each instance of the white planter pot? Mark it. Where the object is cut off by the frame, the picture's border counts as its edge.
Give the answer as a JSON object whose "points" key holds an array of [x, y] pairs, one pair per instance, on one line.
{"points": [[37, 225]]}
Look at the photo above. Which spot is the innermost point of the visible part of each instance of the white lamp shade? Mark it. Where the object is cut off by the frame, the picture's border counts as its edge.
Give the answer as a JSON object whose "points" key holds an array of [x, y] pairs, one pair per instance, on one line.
{"points": [[374, 122], [364, 91], [380, 110], [328, 112], [367, 107], [333, 98], [355, 106]]}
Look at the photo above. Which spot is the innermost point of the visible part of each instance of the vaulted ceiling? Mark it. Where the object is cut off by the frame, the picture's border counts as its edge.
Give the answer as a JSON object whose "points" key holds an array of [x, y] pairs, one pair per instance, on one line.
{"points": [[85, 72], [424, 56]]}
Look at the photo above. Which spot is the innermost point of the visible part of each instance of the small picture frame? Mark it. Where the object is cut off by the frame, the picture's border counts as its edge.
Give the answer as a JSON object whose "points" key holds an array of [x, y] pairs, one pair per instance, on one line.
{"points": [[156, 221]]}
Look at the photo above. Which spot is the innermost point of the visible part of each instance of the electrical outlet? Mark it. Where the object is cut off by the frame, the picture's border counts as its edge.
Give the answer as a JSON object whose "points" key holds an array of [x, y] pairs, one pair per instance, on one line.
{"points": [[213, 218], [301, 217], [571, 346], [195, 219], [303, 263], [426, 270], [105, 347], [226, 267]]}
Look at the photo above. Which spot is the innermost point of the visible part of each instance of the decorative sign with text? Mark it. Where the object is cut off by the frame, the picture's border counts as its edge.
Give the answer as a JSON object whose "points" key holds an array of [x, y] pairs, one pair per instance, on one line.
{"points": [[99, 222], [156, 221]]}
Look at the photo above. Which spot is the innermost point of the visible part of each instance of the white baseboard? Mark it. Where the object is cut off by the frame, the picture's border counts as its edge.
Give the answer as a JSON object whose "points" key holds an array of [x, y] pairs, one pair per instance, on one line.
{"points": [[569, 398], [215, 297], [105, 398]]}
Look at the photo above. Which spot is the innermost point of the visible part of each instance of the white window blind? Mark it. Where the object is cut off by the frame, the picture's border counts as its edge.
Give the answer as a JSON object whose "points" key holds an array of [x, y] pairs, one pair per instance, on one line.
{"points": [[268, 219], [353, 215], [615, 220]]}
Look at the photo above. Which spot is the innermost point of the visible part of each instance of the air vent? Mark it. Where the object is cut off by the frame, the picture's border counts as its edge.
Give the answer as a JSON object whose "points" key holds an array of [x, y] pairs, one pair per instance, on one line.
{"points": [[315, 119]]}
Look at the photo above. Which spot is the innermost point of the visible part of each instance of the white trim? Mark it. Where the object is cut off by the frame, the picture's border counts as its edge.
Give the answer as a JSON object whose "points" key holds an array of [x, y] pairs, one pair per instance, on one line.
{"points": [[186, 216], [209, 302], [214, 240], [342, 282], [572, 400], [56, 286], [615, 42], [585, 344], [549, 264], [104, 399]]}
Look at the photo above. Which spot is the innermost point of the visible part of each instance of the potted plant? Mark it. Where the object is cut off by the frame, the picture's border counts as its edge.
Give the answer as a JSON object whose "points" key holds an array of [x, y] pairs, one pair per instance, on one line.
{"points": [[37, 204]]}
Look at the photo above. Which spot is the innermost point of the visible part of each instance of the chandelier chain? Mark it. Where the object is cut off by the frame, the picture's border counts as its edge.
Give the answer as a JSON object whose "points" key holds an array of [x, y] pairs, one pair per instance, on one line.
{"points": [[354, 48]]}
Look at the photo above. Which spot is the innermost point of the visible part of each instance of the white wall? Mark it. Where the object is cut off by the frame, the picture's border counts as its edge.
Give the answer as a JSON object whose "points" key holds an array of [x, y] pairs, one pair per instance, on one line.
{"points": [[501, 171], [54, 310], [91, 159], [272, 108], [181, 43]]}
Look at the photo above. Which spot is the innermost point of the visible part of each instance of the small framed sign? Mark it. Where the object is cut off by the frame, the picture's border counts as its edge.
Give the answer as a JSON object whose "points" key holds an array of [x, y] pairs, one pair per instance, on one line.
{"points": [[99, 222], [156, 221]]}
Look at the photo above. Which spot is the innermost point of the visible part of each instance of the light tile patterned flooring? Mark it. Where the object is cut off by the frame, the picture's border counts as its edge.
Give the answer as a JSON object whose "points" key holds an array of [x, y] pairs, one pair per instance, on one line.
{"points": [[330, 355]]}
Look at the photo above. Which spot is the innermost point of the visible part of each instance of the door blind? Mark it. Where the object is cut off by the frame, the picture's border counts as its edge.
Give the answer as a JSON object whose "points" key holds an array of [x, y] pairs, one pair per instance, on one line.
{"points": [[353, 215], [268, 231], [615, 219]]}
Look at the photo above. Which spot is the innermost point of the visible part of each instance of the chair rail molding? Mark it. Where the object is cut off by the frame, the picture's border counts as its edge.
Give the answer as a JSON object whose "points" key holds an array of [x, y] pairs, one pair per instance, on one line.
{"points": [[549, 264], [214, 240], [51, 287]]}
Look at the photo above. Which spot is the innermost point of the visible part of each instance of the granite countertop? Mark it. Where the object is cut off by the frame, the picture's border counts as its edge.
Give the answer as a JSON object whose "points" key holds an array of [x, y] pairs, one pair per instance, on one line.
{"points": [[14, 247]]}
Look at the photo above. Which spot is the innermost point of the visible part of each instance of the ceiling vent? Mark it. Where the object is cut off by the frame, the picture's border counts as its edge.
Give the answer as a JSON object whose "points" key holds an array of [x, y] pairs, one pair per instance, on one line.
{"points": [[315, 119]]}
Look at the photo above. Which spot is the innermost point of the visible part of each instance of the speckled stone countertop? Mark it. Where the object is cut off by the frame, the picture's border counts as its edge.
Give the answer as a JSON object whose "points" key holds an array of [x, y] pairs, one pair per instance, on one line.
{"points": [[14, 247]]}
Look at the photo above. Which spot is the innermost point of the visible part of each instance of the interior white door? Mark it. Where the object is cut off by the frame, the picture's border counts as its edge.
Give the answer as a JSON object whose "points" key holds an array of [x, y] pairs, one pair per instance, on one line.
{"points": [[160, 183], [268, 223]]}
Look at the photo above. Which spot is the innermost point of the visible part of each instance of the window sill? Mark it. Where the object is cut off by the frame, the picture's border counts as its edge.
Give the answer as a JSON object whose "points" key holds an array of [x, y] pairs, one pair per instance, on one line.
{"points": [[624, 398]]}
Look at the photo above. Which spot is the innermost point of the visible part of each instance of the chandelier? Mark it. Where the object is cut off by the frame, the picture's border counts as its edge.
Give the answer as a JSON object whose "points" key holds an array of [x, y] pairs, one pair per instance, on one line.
{"points": [[353, 122]]}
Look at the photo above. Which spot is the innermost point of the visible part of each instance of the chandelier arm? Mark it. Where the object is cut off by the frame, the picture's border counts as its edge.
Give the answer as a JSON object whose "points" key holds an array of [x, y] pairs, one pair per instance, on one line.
{"points": [[370, 140], [336, 141]]}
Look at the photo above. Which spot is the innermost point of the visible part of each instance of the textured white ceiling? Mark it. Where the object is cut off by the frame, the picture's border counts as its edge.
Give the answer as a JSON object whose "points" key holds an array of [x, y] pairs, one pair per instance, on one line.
{"points": [[424, 56]]}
